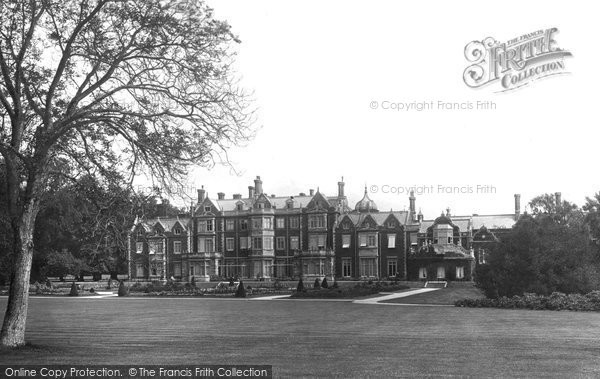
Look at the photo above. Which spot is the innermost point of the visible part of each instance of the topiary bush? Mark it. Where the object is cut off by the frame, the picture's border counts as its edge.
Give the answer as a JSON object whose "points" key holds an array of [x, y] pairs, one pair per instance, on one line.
{"points": [[123, 290], [300, 287], [324, 283], [193, 282], [74, 290], [241, 290], [317, 284]]}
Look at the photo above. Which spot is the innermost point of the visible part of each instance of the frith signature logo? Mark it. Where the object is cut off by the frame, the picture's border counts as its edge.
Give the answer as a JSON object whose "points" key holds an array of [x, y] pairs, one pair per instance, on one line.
{"points": [[515, 63]]}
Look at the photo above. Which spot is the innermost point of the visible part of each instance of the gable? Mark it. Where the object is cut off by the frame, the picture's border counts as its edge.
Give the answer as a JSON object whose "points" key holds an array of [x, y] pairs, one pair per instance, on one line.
{"points": [[318, 202]]}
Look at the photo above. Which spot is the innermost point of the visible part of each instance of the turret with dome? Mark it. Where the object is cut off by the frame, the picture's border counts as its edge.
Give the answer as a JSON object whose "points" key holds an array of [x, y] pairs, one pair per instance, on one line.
{"points": [[366, 204]]}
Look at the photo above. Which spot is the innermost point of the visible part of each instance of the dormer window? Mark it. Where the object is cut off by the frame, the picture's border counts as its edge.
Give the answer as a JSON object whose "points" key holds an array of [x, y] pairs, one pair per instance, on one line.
{"points": [[140, 232], [177, 231], [240, 207]]}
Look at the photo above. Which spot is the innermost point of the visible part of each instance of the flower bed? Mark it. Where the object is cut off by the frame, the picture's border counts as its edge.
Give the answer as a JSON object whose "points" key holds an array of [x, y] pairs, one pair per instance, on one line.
{"points": [[557, 301]]}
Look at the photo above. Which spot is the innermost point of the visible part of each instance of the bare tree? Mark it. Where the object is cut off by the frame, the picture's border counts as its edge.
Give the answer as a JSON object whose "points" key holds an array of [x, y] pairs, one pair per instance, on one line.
{"points": [[109, 88]]}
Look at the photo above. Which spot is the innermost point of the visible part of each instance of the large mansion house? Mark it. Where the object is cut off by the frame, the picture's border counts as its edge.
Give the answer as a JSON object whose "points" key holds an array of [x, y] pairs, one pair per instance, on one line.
{"points": [[314, 235]]}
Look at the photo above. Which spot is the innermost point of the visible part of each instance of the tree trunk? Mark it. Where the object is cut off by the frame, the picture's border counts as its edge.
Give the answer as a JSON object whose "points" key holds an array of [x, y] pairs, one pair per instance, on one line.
{"points": [[13, 328]]}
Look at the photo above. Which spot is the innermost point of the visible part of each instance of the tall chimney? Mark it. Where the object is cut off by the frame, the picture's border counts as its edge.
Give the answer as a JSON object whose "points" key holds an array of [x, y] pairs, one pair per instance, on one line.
{"points": [[237, 196], [221, 195], [258, 185], [341, 188], [201, 193], [311, 192], [558, 197], [412, 199], [250, 192], [517, 205]]}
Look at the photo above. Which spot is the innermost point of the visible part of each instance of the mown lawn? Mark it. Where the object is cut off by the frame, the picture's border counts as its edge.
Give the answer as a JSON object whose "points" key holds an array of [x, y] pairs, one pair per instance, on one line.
{"points": [[312, 338], [442, 296]]}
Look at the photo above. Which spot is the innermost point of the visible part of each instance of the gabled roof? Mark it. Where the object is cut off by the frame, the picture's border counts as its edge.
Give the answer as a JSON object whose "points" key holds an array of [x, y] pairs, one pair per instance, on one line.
{"points": [[379, 218], [166, 223]]}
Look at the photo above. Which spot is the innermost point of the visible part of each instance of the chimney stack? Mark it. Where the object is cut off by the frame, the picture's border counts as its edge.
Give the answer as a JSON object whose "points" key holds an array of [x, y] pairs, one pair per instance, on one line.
{"points": [[412, 200], [517, 205], [250, 192], [341, 188], [221, 196], [201, 194], [558, 197], [237, 196], [258, 186], [311, 192]]}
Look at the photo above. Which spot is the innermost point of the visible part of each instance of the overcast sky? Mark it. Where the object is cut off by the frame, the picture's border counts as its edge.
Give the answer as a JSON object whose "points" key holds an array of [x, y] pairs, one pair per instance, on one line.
{"points": [[316, 67]]}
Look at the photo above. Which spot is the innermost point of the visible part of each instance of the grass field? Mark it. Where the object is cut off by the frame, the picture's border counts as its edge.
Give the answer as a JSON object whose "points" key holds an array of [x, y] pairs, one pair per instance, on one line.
{"points": [[312, 338], [442, 296]]}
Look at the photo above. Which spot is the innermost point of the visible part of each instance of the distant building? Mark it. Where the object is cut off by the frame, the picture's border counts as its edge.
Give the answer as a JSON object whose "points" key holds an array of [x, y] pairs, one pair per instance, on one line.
{"points": [[266, 236]]}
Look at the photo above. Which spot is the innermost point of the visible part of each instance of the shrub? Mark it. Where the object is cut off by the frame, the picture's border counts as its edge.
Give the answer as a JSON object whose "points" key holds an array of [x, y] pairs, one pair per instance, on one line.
{"points": [[556, 301], [300, 287], [123, 290], [74, 290], [324, 283], [317, 284], [241, 290]]}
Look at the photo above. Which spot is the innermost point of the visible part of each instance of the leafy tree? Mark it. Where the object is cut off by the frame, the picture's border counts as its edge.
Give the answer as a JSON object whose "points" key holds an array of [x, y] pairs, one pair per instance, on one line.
{"points": [[547, 252], [61, 263], [106, 88]]}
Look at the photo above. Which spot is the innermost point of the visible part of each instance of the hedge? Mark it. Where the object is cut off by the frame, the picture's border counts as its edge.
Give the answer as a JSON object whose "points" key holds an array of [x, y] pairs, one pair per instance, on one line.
{"points": [[557, 301]]}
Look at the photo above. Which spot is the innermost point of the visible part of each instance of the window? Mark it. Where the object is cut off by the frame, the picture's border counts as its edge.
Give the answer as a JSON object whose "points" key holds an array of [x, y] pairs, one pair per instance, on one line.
{"points": [[392, 266], [280, 243], [155, 247], [177, 231], [422, 273], [268, 223], [229, 244], [243, 224], [346, 241], [316, 221], [205, 226], [280, 222], [346, 267], [289, 204], [441, 272], [229, 225], [139, 270], [240, 207], [391, 241], [391, 224], [294, 243], [177, 247], [207, 208], [460, 272], [449, 239], [316, 241], [177, 269], [345, 226], [140, 232], [256, 223], [268, 243], [294, 222], [362, 240], [192, 270], [243, 242], [481, 256], [139, 247], [257, 242], [368, 267], [206, 245], [372, 240]]}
